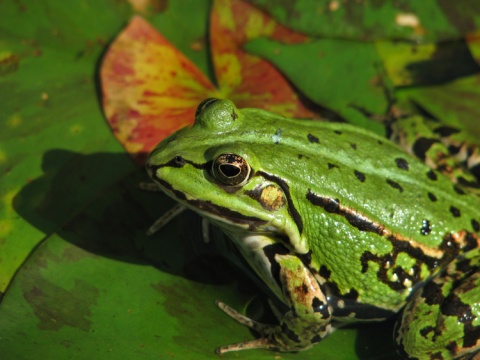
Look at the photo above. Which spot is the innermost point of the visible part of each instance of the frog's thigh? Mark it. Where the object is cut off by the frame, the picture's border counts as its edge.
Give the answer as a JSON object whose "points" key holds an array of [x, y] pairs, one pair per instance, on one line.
{"points": [[308, 320], [442, 321]]}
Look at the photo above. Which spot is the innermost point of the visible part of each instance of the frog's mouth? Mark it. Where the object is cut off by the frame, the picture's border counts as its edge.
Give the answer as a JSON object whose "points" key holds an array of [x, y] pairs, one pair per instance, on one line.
{"points": [[220, 215]]}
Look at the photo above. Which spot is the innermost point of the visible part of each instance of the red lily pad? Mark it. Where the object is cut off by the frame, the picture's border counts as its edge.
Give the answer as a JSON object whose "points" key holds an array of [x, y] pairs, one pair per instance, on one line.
{"points": [[249, 80], [150, 88]]}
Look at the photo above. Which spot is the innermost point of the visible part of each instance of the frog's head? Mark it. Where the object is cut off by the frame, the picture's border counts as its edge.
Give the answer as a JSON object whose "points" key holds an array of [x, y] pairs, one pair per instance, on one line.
{"points": [[215, 168]]}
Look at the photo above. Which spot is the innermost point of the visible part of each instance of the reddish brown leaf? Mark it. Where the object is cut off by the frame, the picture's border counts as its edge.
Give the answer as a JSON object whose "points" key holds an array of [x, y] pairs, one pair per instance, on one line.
{"points": [[246, 79], [150, 89]]}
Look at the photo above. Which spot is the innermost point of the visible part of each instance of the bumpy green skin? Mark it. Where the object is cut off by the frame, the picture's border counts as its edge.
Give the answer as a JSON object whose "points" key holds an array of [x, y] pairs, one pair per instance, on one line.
{"points": [[340, 223]]}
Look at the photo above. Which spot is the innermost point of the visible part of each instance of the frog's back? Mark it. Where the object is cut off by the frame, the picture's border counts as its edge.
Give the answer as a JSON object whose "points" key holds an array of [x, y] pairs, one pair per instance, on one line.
{"points": [[372, 215]]}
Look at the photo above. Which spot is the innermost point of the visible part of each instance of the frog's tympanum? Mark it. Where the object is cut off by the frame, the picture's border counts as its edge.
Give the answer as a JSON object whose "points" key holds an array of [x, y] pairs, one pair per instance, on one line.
{"points": [[341, 224]]}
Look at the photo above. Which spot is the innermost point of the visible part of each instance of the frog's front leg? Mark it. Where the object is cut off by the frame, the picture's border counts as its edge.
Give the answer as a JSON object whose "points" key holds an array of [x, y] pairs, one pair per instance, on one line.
{"points": [[305, 323], [442, 321]]}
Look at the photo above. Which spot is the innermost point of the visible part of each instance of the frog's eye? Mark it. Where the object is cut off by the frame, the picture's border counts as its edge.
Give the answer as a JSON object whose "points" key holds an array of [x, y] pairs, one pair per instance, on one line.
{"points": [[205, 104], [231, 169]]}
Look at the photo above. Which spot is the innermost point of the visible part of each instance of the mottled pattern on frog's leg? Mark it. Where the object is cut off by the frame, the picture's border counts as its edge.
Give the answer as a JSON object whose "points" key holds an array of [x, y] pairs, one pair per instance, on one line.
{"points": [[306, 323], [442, 320], [308, 320], [440, 147]]}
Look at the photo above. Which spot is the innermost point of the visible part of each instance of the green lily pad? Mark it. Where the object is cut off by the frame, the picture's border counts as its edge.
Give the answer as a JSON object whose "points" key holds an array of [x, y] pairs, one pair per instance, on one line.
{"points": [[376, 20], [344, 76], [454, 103], [49, 52], [410, 64]]}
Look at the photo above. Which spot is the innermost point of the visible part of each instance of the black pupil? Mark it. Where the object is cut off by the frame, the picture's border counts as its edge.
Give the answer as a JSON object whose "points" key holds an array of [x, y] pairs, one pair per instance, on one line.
{"points": [[229, 170]]}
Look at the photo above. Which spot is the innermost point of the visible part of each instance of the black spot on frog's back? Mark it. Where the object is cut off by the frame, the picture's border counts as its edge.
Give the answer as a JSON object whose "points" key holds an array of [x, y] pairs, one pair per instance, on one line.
{"points": [[431, 175], [395, 185], [455, 211], [402, 163], [360, 176], [312, 138], [475, 225]]}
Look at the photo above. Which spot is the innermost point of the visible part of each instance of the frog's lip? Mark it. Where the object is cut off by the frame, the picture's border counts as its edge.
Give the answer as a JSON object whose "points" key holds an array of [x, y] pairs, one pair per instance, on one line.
{"points": [[219, 214]]}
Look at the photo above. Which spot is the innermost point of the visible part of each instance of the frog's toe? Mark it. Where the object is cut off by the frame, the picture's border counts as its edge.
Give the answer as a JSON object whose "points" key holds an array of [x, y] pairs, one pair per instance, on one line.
{"points": [[275, 337], [242, 319], [267, 333]]}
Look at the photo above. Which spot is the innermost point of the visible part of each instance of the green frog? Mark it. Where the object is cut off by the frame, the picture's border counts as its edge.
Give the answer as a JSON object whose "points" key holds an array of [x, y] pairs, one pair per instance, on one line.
{"points": [[341, 224]]}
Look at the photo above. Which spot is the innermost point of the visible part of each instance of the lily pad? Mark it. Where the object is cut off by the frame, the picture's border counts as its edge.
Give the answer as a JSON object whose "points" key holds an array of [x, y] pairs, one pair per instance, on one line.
{"points": [[420, 21], [49, 92], [455, 103], [410, 64], [49, 100], [344, 76]]}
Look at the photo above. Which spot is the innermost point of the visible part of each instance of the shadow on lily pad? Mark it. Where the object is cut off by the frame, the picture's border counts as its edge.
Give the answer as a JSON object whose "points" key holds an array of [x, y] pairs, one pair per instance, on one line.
{"points": [[89, 203]]}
